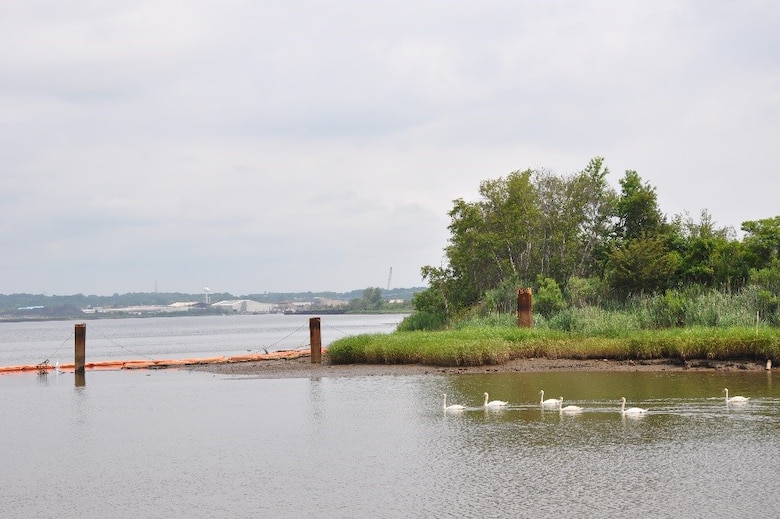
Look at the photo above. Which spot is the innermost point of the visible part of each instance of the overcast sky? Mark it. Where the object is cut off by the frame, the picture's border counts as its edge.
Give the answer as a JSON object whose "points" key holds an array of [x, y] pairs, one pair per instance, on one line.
{"points": [[258, 146]]}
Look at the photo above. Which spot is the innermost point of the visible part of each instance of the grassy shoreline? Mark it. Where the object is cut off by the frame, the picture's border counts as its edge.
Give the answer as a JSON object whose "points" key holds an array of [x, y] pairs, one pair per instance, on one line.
{"points": [[492, 345]]}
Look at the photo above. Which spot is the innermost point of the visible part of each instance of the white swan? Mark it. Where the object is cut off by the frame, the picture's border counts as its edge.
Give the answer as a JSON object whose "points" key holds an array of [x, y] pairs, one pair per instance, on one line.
{"points": [[568, 408], [494, 403], [550, 402], [453, 407], [735, 399], [630, 410]]}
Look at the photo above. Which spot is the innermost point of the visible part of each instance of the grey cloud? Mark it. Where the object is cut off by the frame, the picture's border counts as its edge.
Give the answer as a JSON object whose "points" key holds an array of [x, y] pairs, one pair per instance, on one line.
{"points": [[263, 146]]}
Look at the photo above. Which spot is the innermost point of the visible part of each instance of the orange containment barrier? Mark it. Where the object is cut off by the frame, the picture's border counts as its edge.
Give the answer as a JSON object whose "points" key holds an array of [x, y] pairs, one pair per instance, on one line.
{"points": [[162, 364]]}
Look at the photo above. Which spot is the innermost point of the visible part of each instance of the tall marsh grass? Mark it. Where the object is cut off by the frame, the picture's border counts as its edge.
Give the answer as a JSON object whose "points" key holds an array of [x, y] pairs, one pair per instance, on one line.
{"points": [[676, 324], [486, 345]]}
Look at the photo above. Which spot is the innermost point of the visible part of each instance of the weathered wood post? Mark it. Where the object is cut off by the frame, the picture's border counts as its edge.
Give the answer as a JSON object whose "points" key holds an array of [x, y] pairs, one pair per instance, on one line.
{"points": [[525, 318], [80, 341], [81, 347], [315, 340]]}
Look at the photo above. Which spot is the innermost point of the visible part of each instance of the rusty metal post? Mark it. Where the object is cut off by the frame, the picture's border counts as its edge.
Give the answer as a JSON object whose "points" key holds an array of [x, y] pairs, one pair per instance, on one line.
{"points": [[315, 340], [81, 347], [525, 318]]}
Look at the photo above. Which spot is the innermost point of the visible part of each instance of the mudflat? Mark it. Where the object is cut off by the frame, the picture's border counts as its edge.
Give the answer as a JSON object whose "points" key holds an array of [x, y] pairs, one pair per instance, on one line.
{"points": [[302, 367]]}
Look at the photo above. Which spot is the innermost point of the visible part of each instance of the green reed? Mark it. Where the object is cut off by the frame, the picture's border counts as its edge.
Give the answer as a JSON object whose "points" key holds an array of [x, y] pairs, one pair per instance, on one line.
{"points": [[475, 345], [691, 323]]}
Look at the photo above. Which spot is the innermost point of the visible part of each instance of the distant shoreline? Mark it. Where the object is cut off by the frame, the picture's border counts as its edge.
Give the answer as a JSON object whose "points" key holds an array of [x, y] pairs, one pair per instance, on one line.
{"points": [[118, 315]]}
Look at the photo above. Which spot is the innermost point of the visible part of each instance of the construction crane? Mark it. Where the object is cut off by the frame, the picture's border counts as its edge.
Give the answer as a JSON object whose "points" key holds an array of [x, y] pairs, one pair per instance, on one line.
{"points": [[389, 277]]}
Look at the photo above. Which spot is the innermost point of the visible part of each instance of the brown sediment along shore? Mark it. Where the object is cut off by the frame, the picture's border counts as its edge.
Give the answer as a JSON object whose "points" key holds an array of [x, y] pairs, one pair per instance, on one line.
{"points": [[302, 367]]}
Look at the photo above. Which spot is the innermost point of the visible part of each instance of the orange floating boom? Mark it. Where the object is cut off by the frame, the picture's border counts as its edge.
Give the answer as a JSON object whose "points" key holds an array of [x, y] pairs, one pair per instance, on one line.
{"points": [[159, 364]]}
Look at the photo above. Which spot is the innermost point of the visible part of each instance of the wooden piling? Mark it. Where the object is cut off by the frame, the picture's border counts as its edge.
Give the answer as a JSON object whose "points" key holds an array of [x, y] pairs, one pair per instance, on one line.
{"points": [[81, 347], [315, 340], [525, 317]]}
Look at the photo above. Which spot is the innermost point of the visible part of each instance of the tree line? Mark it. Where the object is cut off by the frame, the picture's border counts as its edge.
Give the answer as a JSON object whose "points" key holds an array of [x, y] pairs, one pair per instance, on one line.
{"points": [[579, 242], [70, 306]]}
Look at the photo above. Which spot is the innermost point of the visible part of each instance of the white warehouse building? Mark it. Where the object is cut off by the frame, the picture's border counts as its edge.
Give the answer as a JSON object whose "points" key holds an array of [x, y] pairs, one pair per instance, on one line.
{"points": [[245, 306]]}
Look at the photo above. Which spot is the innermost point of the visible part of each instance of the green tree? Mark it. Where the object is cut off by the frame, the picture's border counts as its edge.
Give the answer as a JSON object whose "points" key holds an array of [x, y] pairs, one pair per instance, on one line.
{"points": [[576, 222], [373, 298], [768, 277], [730, 265], [597, 203], [762, 241], [490, 240], [472, 254], [430, 305], [642, 265], [511, 209], [437, 298], [503, 298], [698, 245], [525, 225], [557, 240], [582, 292], [548, 300], [637, 209], [529, 224]]}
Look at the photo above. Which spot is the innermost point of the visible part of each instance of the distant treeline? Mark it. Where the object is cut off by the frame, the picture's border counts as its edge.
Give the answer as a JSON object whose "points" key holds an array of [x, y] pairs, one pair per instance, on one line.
{"points": [[58, 306]]}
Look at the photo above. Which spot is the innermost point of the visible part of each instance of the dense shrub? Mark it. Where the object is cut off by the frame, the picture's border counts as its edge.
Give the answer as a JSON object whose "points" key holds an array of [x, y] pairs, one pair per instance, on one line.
{"points": [[548, 299], [422, 321]]}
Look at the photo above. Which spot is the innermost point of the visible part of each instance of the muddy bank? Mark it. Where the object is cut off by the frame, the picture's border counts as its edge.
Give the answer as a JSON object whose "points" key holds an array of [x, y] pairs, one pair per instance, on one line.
{"points": [[303, 367]]}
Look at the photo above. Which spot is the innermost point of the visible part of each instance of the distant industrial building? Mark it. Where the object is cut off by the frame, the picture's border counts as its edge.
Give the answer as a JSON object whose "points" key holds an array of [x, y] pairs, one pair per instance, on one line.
{"points": [[245, 306]]}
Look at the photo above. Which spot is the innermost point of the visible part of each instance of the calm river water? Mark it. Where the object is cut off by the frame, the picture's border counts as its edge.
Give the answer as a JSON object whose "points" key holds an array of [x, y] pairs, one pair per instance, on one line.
{"points": [[174, 443], [27, 343]]}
